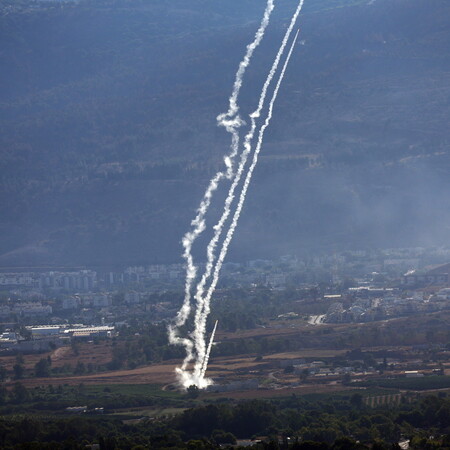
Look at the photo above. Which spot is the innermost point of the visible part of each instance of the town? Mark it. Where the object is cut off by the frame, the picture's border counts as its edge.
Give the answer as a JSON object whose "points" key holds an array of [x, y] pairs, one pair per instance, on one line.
{"points": [[42, 311]]}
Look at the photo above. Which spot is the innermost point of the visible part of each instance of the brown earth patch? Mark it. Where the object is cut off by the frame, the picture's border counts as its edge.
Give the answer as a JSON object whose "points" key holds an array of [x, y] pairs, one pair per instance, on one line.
{"points": [[156, 374], [88, 352]]}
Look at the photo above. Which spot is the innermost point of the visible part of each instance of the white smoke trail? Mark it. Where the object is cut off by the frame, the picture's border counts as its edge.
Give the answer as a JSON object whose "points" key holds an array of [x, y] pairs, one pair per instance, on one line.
{"points": [[231, 121], [238, 210], [204, 301], [208, 351]]}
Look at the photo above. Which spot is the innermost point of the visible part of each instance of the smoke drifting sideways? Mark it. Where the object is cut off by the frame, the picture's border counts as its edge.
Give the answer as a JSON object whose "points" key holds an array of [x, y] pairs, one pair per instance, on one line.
{"points": [[194, 366]]}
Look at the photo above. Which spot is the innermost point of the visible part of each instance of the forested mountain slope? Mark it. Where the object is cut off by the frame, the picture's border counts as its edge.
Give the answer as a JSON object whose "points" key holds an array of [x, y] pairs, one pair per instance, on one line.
{"points": [[108, 134]]}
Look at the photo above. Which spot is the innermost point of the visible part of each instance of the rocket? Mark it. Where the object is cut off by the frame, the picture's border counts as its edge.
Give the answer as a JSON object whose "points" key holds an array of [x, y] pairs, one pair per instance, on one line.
{"points": [[208, 351]]}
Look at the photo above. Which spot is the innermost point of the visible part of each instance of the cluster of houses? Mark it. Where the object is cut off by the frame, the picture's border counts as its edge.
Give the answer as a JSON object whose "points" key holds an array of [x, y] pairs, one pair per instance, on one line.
{"points": [[99, 300], [25, 310], [87, 295], [438, 275], [82, 280], [274, 273], [369, 305]]}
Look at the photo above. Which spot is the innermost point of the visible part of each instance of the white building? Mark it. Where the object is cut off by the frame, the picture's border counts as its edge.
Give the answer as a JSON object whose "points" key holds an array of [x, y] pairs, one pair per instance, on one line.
{"points": [[132, 297], [89, 332], [45, 331], [32, 309], [101, 301], [17, 279], [70, 303], [413, 374]]}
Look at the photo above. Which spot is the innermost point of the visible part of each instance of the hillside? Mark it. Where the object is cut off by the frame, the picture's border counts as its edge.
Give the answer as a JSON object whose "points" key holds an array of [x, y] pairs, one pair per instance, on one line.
{"points": [[108, 134]]}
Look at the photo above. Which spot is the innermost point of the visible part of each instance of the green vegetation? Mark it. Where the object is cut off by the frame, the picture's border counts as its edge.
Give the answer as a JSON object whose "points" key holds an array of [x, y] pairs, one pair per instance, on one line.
{"points": [[418, 384], [149, 346], [287, 423], [54, 399]]}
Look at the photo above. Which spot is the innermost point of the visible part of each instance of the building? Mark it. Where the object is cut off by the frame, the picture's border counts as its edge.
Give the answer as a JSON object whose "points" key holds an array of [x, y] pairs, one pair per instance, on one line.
{"points": [[45, 331], [8, 339], [83, 280], [75, 331], [94, 300], [32, 310], [102, 301], [413, 374], [132, 297], [70, 303], [90, 332], [431, 276], [18, 279]]}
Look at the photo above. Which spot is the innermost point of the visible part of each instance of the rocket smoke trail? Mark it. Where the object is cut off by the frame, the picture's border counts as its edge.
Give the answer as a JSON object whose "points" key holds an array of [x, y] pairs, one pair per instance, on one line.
{"points": [[203, 302], [248, 178], [199, 371], [208, 351], [231, 121]]}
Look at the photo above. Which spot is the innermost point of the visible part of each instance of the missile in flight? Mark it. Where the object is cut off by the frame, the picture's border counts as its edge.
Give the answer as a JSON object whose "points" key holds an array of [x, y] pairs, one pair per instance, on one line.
{"points": [[206, 358]]}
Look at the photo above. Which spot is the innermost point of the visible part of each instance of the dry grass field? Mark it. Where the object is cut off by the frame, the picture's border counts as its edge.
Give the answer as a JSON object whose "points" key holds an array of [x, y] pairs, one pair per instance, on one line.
{"points": [[87, 352], [230, 368], [155, 374], [319, 340]]}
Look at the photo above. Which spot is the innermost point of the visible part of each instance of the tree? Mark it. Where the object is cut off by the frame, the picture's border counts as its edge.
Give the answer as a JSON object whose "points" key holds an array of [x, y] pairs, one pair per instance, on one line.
{"points": [[75, 348], [310, 445], [107, 443], [222, 437], [3, 373], [356, 400], [289, 369], [19, 370], [3, 395], [346, 444], [443, 414], [193, 391], [20, 393], [346, 379], [80, 368], [197, 444], [304, 375], [42, 368]]}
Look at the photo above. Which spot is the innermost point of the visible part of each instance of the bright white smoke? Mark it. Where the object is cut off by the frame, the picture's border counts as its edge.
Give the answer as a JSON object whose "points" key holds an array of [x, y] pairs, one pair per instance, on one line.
{"points": [[203, 301], [248, 178], [231, 121], [208, 351]]}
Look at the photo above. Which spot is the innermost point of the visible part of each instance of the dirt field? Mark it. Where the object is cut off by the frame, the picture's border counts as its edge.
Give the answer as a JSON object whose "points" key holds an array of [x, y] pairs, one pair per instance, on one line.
{"points": [[88, 352], [270, 331], [157, 374], [230, 368], [220, 368]]}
